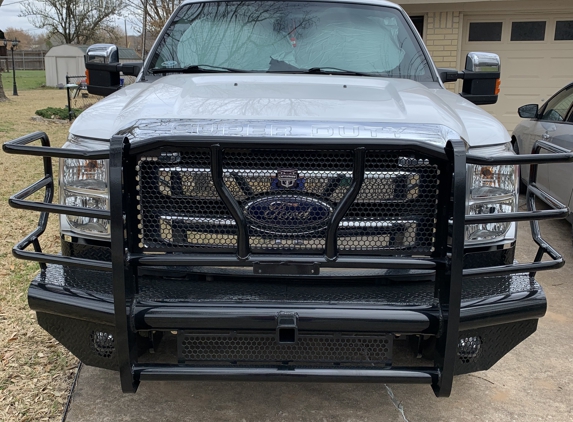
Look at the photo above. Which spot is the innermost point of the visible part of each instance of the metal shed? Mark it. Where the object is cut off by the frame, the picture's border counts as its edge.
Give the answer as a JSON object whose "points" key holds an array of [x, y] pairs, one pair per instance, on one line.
{"points": [[68, 59]]}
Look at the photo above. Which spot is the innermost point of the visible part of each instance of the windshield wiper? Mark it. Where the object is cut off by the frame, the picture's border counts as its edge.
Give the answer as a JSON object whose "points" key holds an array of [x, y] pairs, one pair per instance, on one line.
{"points": [[197, 68], [279, 66], [328, 71]]}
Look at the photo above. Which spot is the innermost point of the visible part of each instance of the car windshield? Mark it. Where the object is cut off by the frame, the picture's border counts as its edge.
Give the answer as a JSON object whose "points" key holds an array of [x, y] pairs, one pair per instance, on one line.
{"points": [[281, 36]]}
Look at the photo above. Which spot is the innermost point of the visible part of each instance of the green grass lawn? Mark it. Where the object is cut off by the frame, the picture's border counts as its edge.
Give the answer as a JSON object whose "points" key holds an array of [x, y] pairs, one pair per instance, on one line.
{"points": [[25, 79]]}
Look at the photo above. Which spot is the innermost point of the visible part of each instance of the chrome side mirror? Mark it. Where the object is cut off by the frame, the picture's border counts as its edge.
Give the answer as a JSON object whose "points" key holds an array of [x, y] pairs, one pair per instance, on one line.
{"points": [[528, 111], [103, 69], [102, 53], [481, 78], [483, 62]]}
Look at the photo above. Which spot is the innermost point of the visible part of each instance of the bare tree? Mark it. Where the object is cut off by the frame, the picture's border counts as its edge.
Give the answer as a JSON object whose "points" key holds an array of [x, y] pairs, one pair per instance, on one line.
{"points": [[26, 40], [75, 21], [158, 11]]}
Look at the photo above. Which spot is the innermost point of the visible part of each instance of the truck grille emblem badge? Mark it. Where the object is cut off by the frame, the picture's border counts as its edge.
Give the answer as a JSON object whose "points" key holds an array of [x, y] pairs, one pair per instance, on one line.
{"points": [[287, 179]]}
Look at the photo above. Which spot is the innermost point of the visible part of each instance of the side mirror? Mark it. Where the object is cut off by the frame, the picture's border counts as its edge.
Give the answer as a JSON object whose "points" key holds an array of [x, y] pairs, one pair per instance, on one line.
{"points": [[528, 111], [102, 53], [103, 69], [482, 78]]}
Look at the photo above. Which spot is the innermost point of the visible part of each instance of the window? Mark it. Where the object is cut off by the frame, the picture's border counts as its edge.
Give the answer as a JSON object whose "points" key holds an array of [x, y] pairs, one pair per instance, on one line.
{"points": [[485, 31], [418, 22], [557, 107], [564, 31], [528, 31], [292, 36]]}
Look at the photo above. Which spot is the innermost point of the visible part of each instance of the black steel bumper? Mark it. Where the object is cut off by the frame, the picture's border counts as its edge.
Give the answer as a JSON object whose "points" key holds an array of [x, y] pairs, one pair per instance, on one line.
{"points": [[489, 308], [170, 305], [74, 304]]}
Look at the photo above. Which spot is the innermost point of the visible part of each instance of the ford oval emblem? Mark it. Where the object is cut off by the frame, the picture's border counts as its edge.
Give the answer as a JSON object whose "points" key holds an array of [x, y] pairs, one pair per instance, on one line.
{"points": [[288, 214]]}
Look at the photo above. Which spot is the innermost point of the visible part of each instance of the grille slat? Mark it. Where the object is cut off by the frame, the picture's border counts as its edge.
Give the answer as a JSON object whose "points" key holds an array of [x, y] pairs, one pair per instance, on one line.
{"points": [[287, 197]]}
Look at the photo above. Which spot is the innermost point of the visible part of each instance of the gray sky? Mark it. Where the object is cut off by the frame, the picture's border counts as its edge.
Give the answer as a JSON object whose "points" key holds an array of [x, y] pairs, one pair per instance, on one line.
{"points": [[9, 18]]}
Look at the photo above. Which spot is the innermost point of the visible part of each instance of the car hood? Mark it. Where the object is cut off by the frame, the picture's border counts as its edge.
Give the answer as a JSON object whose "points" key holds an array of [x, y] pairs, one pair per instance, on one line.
{"points": [[277, 105]]}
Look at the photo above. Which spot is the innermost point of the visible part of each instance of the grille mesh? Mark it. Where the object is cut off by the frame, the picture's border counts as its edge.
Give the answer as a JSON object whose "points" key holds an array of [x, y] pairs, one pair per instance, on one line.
{"points": [[264, 348], [288, 198]]}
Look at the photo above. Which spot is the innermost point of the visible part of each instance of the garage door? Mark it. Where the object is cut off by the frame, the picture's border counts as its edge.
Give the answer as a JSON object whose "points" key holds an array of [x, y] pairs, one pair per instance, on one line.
{"points": [[536, 55]]}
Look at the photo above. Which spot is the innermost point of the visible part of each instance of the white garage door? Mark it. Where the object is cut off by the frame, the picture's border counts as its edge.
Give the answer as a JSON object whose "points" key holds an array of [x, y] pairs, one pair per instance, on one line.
{"points": [[536, 54]]}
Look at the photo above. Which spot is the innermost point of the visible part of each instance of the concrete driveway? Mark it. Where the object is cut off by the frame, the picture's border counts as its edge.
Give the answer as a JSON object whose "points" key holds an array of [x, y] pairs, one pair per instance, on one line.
{"points": [[534, 382]]}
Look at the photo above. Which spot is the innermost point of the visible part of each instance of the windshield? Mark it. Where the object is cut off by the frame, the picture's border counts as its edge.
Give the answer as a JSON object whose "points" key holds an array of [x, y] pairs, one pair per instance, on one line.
{"points": [[281, 36]]}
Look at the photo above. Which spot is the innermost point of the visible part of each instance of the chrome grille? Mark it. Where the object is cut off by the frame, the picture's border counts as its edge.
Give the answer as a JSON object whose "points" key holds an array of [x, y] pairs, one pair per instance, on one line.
{"points": [[288, 197]]}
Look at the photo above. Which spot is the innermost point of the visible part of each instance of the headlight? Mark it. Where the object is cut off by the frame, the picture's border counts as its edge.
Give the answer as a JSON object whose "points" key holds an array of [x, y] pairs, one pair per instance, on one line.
{"points": [[491, 190], [84, 183]]}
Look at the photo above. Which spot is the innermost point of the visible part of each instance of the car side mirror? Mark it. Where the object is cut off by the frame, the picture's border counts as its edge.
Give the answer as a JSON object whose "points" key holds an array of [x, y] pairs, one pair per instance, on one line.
{"points": [[103, 69], [528, 111], [481, 78]]}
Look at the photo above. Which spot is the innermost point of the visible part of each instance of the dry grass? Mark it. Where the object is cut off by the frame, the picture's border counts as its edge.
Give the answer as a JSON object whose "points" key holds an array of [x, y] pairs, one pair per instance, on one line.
{"points": [[35, 370]]}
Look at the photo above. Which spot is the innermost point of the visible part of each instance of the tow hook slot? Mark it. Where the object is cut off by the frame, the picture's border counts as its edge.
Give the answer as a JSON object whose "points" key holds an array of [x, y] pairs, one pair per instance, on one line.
{"points": [[287, 330]]}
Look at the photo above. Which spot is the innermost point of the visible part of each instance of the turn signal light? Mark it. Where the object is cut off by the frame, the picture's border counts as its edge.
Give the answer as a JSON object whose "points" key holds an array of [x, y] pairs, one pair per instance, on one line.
{"points": [[497, 85], [88, 77]]}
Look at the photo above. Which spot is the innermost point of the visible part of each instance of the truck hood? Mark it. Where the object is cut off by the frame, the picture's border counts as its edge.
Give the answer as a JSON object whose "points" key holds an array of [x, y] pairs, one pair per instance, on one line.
{"points": [[277, 105]]}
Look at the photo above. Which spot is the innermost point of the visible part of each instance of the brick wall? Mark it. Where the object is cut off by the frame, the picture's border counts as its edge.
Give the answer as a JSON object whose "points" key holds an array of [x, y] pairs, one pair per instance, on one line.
{"points": [[442, 39]]}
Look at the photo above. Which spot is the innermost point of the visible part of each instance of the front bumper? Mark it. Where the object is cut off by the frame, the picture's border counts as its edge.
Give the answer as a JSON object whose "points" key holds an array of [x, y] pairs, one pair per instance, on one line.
{"points": [[76, 307]]}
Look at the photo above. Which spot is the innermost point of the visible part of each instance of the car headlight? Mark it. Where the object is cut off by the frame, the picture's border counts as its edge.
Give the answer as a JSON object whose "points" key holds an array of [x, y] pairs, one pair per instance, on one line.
{"points": [[491, 190], [84, 183]]}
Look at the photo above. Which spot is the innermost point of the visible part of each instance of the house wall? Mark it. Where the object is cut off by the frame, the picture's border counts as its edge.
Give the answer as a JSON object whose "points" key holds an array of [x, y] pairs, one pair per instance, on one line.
{"points": [[531, 71], [442, 37]]}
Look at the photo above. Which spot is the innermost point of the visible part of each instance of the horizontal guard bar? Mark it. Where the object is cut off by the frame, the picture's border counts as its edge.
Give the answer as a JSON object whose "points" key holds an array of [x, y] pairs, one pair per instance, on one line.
{"points": [[518, 216], [20, 146], [382, 144], [514, 268], [59, 209], [311, 317], [90, 264], [395, 375], [520, 159], [558, 155], [225, 261], [545, 197], [18, 201]]}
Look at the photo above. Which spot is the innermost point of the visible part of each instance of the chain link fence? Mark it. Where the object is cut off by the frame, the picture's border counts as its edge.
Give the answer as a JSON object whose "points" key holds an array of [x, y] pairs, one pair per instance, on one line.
{"points": [[78, 96]]}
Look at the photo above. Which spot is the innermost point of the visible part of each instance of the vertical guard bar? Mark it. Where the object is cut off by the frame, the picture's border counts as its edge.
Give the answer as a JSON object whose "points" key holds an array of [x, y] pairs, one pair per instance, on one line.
{"points": [[48, 194], [243, 249], [331, 248], [543, 246], [450, 286], [122, 275]]}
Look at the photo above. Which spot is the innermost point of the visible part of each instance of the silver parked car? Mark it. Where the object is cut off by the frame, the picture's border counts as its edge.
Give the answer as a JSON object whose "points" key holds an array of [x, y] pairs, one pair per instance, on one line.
{"points": [[553, 122]]}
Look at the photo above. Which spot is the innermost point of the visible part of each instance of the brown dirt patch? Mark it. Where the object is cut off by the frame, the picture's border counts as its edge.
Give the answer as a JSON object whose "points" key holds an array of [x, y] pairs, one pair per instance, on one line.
{"points": [[35, 370]]}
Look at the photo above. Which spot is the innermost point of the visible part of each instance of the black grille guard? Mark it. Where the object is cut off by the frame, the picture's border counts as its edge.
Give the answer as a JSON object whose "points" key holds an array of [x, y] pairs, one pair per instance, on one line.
{"points": [[446, 259]]}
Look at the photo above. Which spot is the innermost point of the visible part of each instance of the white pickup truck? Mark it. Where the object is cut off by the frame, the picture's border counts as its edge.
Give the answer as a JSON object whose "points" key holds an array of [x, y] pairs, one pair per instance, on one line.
{"points": [[286, 193]]}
